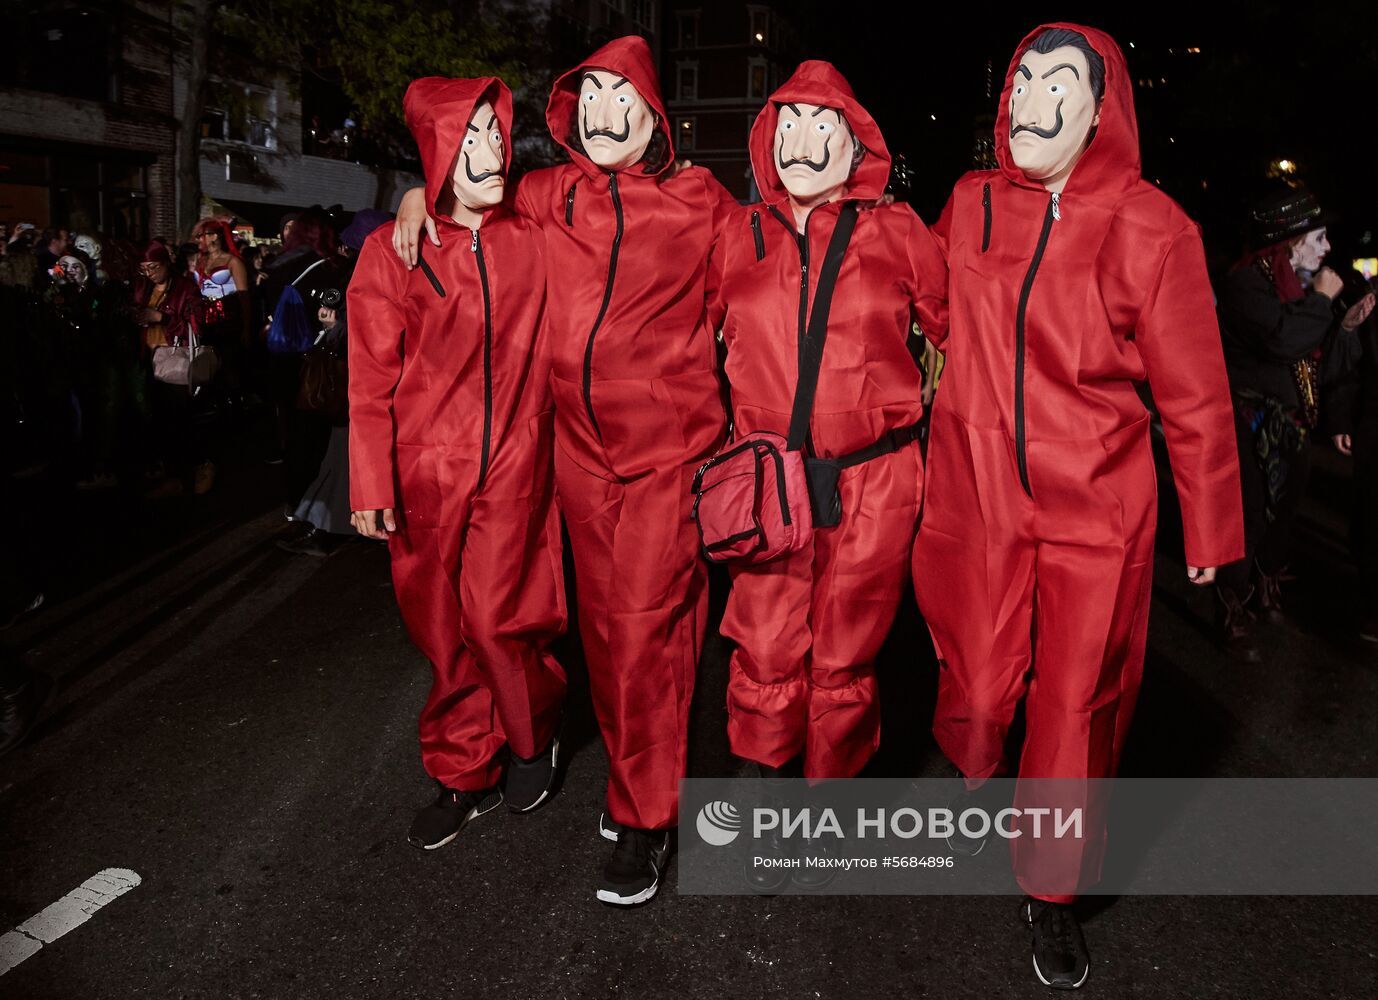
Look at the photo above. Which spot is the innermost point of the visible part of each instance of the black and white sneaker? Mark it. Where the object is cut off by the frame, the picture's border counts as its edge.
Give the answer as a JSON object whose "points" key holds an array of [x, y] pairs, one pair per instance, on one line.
{"points": [[440, 822], [1059, 951], [529, 782], [986, 797], [609, 828], [633, 874]]}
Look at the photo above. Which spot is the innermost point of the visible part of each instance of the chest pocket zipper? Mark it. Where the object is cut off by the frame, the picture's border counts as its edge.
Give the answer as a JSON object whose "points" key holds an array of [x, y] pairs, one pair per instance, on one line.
{"points": [[569, 206], [757, 236], [985, 228]]}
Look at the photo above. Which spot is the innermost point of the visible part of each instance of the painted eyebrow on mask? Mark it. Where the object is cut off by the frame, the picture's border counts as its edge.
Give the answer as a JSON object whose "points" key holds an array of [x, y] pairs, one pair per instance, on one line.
{"points": [[794, 108], [1058, 67], [491, 122], [592, 78], [473, 127], [836, 114], [1025, 70], [619, 83]]}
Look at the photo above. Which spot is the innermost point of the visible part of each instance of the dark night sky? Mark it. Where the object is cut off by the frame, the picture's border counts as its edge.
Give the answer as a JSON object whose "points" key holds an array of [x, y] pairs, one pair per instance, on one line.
{"points": [[1271, 81]]}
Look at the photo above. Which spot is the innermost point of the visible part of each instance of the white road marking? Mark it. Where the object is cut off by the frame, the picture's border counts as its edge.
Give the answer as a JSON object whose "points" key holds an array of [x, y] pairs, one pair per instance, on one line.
{"points": [[68, 913]]}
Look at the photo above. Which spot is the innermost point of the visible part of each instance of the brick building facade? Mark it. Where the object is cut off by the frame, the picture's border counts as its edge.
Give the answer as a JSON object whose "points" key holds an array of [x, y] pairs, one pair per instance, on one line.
{"points": [[87, 126], [721, 60]]}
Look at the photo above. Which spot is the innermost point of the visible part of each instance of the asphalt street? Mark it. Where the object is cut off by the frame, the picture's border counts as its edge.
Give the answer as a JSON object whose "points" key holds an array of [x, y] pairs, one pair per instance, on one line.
{"points": [[237, 726]]}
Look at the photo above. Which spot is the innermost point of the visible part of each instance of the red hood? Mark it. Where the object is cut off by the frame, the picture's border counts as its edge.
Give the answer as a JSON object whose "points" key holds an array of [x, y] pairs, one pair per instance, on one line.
{"points": [[627, 56], [438, 110], [1110, 164], [818, 82]]}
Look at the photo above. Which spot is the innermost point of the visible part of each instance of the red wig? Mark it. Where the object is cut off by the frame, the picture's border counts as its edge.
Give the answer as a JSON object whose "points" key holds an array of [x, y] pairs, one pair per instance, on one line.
{"points": [[312, 229]]}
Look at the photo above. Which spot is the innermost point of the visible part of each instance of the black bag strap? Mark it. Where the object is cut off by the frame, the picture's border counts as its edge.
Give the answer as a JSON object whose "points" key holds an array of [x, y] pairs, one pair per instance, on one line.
{"points": [[811, 351], [890, 441]]}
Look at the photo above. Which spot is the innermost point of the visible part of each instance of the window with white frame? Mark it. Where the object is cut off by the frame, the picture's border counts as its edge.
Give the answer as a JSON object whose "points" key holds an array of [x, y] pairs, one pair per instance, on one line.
{"points": [[687, 80], [759, 24], [757, 79]]}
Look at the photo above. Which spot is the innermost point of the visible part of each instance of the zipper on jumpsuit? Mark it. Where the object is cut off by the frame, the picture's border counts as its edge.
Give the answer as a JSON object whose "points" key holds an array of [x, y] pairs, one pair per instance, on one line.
{"points": [[1020, 442], [602, 309], [476, 248]]}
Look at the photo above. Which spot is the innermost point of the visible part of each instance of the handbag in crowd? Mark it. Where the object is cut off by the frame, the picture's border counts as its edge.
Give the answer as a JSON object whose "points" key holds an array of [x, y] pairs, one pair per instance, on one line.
{"points": [[752, 500], [324, 385], [191, 365]]}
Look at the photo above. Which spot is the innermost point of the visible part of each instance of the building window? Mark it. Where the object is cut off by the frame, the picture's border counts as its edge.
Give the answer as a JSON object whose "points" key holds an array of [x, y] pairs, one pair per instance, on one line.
{"points": [[688, 29], [80, 189], [684, 133], [248, 117], [687, 81], [756, 78], [759, 19], [644, 15], [613, 11]]}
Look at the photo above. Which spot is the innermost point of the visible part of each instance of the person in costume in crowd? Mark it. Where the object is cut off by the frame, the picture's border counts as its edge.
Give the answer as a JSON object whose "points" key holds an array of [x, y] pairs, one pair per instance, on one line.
{"points": [[1073, 280], [1278, 319], [801, 693], [310, 263], [638, 409], [450, 438]]}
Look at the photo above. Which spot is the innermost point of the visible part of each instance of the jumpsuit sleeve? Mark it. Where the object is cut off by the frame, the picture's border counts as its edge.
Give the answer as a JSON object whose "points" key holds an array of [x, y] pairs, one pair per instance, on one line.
{"points": [[722, 209], [377, 327], [939, 236], [1268, 327], [1180, 345], [927, 280], [524, 201]]}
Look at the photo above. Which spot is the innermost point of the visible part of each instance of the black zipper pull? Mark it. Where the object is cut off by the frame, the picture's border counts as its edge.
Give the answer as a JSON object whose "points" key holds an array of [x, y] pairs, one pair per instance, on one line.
{"points": [[985, 229], [569, 205], [756, 235], [473, 243]]}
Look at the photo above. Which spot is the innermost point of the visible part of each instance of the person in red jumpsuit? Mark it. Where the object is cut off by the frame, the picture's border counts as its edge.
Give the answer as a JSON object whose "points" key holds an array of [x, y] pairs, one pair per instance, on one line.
{"points": [[639, 408], [451, 436], [1072, 281], [802, 692]]}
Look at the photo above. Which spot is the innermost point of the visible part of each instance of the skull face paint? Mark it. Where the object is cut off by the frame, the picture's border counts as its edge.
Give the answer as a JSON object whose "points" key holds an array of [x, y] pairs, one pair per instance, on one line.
{"points": [[615, 123], [1310, 250], [1052, 113], [813, 152], [479, 177]]}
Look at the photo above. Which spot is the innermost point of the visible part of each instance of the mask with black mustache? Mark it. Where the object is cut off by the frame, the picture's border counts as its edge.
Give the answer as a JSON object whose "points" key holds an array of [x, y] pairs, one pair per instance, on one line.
{"points": [[807, 135], [1042, 133], [610, 144]]}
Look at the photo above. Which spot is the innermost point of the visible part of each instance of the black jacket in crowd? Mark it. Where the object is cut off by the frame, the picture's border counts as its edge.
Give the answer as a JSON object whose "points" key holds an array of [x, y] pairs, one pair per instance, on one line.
{"points": [[1263, 335]]}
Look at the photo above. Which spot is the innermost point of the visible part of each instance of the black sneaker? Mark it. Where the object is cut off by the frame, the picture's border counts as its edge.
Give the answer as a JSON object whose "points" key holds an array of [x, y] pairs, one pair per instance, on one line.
{"points": [[528, 782], [1059, 951], [633, 874], [440, 822], [609, 828]]}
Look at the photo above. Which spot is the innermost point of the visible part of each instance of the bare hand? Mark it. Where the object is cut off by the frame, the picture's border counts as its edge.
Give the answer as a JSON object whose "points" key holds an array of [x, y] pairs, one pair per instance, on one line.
{"points": [[412, 218], [147, 317], [366, 523], [1358, 312], [1344, 444], [1201, 576], [1327, 282]]}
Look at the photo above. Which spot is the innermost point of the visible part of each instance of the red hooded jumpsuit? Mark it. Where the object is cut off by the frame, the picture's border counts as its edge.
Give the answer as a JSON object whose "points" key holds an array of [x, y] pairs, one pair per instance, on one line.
{"points": [[638, 408], [1039, 520], [808, 627], [450, 422]]}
